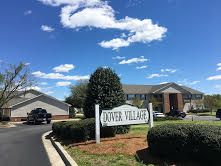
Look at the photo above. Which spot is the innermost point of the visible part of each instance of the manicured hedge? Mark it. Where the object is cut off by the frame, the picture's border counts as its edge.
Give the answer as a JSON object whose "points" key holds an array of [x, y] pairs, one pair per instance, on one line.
{"points": [[122, 129], [198, 111], [186, 141], [84, 130], [167, 118]]}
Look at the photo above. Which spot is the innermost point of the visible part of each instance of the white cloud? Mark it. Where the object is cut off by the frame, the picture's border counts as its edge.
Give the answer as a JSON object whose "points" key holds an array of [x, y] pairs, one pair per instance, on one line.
{"points": [[63, 83], [114, 43], [218, 69], [47, 28], [157, 75], [64, 68], [134, 60], [43, 83], [33, 87], [163, 83], [193, 83], [27, 12], [59, 76], [141, 67], [76, 14], [218, 86], [217, 77], [118, 57], [27, 64], [169, 70], [218, 64], [49, 92]]}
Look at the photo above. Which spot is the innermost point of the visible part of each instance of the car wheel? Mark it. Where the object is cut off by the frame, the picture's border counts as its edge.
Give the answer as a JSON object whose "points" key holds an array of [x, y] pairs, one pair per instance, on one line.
{"points": [[48, 121]]}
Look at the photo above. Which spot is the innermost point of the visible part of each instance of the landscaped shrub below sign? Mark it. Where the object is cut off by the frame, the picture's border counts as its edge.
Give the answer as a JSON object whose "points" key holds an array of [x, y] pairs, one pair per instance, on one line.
{"points": [[81, 130], [186, 141], [122, 129]]}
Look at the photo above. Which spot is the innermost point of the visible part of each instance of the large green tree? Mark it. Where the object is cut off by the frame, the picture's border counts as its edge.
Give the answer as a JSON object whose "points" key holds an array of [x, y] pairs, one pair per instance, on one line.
{"points": [[105, 88], [78, 94]]}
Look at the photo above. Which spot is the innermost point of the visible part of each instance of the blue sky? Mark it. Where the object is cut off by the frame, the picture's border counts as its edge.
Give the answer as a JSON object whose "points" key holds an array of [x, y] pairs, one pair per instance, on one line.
{"points": [[144, 41]]}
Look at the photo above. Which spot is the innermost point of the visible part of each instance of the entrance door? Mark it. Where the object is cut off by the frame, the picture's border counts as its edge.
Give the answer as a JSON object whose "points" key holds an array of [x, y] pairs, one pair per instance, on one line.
{"points": [[173, 101]]}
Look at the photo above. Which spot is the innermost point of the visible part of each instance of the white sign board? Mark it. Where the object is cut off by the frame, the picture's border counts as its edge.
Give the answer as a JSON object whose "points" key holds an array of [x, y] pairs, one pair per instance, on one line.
{"points": [[124, 115]]}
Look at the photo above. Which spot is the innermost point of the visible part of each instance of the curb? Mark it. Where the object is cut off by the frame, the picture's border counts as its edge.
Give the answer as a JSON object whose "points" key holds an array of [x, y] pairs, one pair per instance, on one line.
{"points": [[67, 159]]}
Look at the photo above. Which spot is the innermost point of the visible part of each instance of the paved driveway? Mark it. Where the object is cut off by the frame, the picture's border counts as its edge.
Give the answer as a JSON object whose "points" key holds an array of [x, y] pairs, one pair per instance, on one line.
{"points": [[22, 145], [203, 118]]}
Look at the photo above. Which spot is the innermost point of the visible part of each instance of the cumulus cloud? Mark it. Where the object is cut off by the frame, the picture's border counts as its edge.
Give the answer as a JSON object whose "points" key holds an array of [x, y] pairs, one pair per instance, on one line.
{"points": [[76, 14], [218, 86], [218, 64], [169, 70], [49, 92], [27, 12], [164, 83], [34, 88], [216, 77], [141, 67], [134, 60], [64, 68], [27, 64], [63, 83], [59, 76], [157, 75], [47, 28], [193, 83], [118, 57], [43, 83]]}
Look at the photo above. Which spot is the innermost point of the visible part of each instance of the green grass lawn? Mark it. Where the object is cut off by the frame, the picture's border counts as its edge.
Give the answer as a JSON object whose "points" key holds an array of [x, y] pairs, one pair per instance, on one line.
{"points": [[79, 116], [83, 159], [203, 114]]}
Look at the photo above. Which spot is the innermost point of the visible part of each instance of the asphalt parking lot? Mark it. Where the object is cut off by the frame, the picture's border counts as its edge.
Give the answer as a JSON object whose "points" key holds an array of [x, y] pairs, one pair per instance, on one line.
{"points": [[22, 145]]}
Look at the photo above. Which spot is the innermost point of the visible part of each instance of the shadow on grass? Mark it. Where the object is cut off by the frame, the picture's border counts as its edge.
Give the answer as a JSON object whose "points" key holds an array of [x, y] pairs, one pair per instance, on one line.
{"points": [[145, 156]]}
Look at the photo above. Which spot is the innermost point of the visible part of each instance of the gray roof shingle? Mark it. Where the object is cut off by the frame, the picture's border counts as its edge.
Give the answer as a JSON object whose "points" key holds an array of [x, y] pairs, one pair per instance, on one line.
{"points": [[145, 89]]}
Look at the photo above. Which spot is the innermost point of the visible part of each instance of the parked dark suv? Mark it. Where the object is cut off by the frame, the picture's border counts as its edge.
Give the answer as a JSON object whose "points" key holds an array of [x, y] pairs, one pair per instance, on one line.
{"points": [[39, 115], [218, 113], [176, 113]]}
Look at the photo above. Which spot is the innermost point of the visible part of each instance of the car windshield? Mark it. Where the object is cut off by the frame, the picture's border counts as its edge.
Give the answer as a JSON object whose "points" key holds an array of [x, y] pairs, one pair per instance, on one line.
{"points": [[43, 111]]}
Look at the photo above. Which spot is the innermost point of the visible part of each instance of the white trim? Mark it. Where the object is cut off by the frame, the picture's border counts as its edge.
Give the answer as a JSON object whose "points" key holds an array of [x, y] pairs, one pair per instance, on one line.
{"points": [[169, 85], [42, 94]]}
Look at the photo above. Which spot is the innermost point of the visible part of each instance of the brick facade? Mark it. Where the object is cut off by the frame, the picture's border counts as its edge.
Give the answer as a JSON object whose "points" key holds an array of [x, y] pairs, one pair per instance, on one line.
{"points": [[166, 99], [180, 101]]}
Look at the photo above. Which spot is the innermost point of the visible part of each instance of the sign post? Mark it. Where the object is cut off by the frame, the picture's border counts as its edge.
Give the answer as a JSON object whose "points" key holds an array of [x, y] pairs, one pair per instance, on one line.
{"points": [[97, 123], [151, 115]]}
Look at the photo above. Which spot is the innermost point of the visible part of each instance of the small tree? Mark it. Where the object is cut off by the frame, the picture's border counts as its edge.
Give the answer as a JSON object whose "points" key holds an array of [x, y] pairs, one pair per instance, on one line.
{"points": [[78, 94], [137, 102], [154, 102], [209, 102], [12, 80], [105, 88]]}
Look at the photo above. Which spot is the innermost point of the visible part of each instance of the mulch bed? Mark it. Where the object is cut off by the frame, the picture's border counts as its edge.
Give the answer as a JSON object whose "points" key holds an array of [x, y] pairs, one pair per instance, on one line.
{"points": [[125, 145]]}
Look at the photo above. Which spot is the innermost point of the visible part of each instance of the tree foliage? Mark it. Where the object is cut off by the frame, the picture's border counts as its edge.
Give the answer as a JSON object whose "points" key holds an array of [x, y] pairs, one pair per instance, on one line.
{"points": [[211, 102], [105, 88], [12, 80], [137, 102], [78, 94], [155, 102]]}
